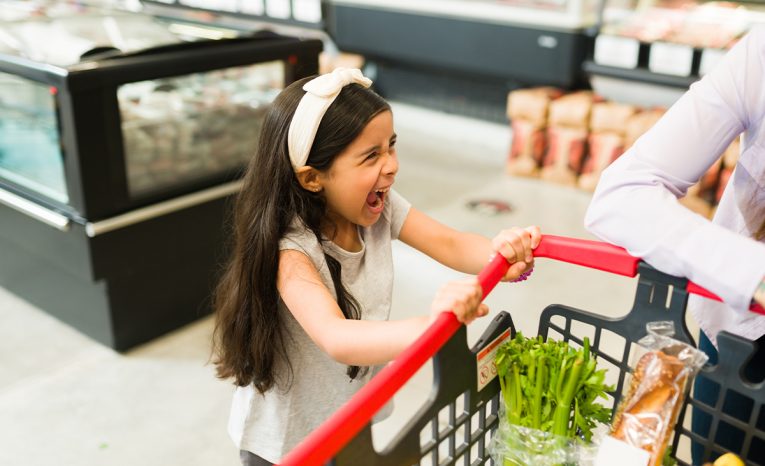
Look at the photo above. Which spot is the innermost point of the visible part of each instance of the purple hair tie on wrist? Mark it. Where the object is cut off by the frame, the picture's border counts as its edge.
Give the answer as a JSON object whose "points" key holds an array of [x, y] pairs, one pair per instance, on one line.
{"points": [[523, 276]]}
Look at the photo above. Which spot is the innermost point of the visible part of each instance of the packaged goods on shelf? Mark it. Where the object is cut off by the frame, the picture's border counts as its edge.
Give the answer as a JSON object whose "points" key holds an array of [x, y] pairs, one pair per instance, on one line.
{"points": [[700, 197], [568, 127], [639, 123], [570, 139], [729, 160], [527, 110], [694, 200], [187, 127], [606, 140], [711, 25], [566, 148], [611, 117], [531, 105]]}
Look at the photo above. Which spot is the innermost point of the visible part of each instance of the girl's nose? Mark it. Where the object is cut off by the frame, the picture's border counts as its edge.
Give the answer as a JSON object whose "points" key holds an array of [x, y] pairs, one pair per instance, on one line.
{"points": [[391, 164]]}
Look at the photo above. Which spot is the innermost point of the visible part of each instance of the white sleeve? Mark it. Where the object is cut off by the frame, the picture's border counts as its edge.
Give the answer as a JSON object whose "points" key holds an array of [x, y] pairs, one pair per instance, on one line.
{"points": [[635, 204]]}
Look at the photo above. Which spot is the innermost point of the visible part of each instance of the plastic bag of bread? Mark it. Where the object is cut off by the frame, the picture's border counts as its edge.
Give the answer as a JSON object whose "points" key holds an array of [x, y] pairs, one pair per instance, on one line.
{"points": [[648, 411]]}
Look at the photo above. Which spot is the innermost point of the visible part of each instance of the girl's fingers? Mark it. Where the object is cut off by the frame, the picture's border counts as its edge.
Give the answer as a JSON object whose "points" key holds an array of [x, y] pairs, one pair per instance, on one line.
{"points": [[516, 244], [511, 247], [500, 244], [536, 235], [519, 268], [521, 242], [526, 242], [515, 270], [462, 298]]}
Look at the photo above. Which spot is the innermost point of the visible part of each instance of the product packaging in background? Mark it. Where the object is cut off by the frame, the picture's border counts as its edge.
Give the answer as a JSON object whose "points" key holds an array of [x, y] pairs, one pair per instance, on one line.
{"points": [[567, 131], [527, 110], [648, 411], [608, 123], [639, 123], [729, 161]]}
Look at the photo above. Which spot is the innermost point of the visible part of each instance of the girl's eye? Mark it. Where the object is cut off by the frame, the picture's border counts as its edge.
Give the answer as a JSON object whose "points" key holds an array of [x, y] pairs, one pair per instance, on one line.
{"points": [[371, 156]]}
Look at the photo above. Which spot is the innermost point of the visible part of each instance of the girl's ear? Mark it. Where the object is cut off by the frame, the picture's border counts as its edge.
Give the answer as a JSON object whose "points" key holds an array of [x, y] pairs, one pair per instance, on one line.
{"points": [[308, 177]]}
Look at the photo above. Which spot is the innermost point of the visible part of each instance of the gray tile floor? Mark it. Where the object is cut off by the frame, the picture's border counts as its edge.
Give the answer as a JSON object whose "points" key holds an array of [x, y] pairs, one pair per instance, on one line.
{"points": [[67, 400]]}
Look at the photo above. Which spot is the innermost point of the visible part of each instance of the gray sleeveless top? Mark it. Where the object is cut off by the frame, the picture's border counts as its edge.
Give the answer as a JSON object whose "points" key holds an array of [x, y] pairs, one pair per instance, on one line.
{"points": [[272, 424]]}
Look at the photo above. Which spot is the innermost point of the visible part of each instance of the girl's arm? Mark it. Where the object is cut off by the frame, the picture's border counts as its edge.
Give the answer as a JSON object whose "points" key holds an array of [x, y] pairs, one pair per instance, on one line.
{"points": [[635, 204], [469, 252], [361, 342]]}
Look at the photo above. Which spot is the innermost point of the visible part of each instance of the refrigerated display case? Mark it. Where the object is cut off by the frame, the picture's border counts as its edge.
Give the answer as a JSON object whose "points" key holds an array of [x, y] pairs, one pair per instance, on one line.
{"points": [[122, 138], [298, 13], [661, 47], [472, 50]]}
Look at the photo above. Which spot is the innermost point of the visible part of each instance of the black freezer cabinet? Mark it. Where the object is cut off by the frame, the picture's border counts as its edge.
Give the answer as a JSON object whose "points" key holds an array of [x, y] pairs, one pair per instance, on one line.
{"points": [[122, 139]]}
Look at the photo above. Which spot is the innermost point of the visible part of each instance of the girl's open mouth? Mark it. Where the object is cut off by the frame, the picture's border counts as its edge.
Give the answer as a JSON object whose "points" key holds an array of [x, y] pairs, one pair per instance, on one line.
{"points": [[376, 198]]}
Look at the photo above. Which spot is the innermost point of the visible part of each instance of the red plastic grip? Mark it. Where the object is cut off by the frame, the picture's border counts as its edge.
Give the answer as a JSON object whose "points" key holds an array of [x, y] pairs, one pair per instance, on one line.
{"points": [[593, 254], [606, 257]]}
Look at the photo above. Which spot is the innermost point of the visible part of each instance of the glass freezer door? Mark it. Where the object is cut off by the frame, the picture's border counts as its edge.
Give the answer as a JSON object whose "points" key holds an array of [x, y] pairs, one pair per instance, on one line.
{"points": [[30, 149], [183, 129]]}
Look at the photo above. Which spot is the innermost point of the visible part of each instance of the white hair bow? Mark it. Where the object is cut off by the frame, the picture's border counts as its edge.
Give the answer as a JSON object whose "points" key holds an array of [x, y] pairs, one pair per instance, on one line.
{"points": [[320, 93]]}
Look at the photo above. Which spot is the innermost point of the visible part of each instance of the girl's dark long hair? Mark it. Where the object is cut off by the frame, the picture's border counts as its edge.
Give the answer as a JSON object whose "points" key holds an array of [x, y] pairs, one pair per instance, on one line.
{"points": [[249, 333]]}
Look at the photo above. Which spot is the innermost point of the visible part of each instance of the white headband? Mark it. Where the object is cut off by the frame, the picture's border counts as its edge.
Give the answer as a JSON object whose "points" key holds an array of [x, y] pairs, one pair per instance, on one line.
{"points": [[320, 93]]}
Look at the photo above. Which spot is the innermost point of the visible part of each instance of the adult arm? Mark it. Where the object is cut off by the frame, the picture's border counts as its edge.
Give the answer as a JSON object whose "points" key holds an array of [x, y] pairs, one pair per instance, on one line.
{"points": [[635, 204]]}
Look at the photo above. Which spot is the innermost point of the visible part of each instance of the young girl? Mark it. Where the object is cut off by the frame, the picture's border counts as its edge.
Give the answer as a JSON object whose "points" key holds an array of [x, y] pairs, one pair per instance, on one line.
{"points": [[302, 309]]}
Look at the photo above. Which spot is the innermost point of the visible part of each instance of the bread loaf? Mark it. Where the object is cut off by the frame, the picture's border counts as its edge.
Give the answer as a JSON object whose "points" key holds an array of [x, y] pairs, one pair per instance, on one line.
{"points": [[647, 414]]}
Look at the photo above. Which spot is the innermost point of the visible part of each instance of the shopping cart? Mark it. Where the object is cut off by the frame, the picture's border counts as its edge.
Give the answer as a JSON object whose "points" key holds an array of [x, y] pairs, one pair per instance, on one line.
{"points": [[456, 423]]}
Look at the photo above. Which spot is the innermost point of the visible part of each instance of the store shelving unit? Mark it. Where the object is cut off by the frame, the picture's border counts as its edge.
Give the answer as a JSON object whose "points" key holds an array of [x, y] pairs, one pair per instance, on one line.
{"points": [[650, 52], [460, 55], [297, 13]]}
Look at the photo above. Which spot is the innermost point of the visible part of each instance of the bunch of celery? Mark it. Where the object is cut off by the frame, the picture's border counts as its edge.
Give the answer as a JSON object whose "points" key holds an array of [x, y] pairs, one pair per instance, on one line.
{"points": [[552, 387]]}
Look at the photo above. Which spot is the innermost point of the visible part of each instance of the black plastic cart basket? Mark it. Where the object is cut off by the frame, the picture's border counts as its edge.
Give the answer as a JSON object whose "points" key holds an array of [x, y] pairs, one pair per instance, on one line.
{"points": [[465, 390]]}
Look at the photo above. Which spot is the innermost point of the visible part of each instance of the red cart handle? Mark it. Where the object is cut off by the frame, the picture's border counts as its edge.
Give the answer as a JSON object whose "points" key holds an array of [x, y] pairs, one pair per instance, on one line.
{"points": [[326, 441], [606, 257]]}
